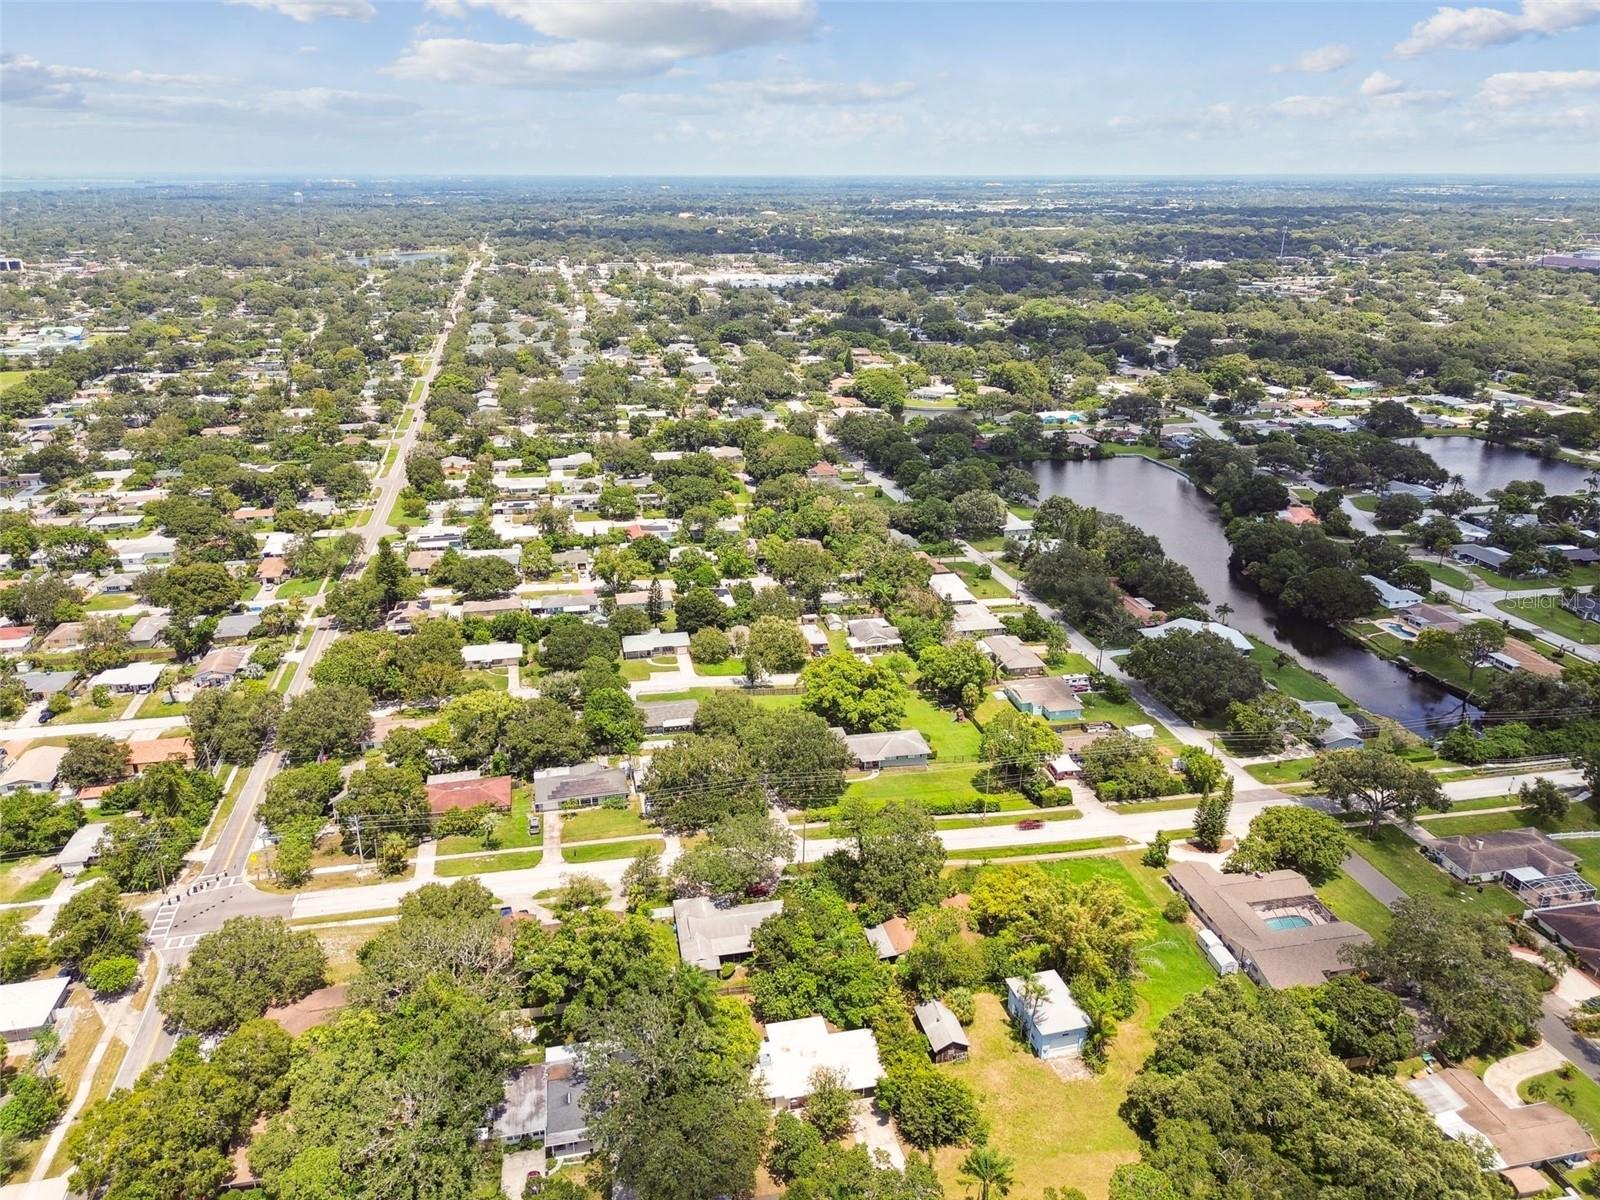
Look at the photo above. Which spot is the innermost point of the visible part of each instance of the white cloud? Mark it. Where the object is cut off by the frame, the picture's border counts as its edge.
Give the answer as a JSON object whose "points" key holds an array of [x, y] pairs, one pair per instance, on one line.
{"points": [[1317, 108], [1380, 84], [1474, 28], [816, 91], [598, 43], [27, 82], [1510, 89], [314, 10], [333, 101], [516, 64], [685, 28], [1577, 122], [1317, 61]]}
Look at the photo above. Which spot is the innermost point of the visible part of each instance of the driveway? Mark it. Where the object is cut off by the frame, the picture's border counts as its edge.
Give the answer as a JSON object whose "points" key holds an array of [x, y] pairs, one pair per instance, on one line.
{"points": [[875, 1131]]}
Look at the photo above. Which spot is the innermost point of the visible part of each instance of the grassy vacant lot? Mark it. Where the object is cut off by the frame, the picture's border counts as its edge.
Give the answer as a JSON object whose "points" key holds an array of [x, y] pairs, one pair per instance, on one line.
{"points": [[1547, 613], [510, 834], [1292, 679], [483, 864], [598, 852], [27, 879], [156, 704], [1583, 576], [105, 604], [86, 711], [936, 785], [1067, 1133], [1097, 708], [1287, 770], [983, 589], [1450, 577], [1034, 849], [595, 823], [10, 377]]}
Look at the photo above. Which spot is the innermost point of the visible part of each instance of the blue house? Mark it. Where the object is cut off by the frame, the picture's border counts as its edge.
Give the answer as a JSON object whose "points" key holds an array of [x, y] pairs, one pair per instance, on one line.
{"points": [[1048, 696], [1050, 1018]]}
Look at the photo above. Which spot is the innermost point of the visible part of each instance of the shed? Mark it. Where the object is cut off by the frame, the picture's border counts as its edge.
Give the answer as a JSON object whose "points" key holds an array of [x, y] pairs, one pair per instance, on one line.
{"points": [[82, 848], [947, 1041]]}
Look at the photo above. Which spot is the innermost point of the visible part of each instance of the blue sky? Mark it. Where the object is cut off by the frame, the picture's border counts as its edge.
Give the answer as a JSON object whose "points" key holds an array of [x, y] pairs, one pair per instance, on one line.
{"points": [[621, 87]]}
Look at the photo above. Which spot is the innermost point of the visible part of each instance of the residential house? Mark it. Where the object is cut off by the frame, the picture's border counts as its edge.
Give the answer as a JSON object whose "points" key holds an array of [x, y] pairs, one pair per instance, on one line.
{"points": [[81, 850], [1272, 922], [1189, 625], [131, 679], [146, 631], [14, 639], [892, 938], [1538, 869], [953, 588], [1392, 597], [1340, 730], [1574, 927], [825, 474], [709, 936], [566, 1133], [468, 789], [1013, 659], [1584, 605], [669, 716], [236, 627], [36, 769], [151, 751], [65, 638], [648, 645], [1051, 1020], [947, 1041], [28, 1008], [1521, 1135], [872, 635], [220, 665], [898, 748], [41, 685], [1481, 556], [793, 1051], [1050, 697], [585, 785], [492, 654]]}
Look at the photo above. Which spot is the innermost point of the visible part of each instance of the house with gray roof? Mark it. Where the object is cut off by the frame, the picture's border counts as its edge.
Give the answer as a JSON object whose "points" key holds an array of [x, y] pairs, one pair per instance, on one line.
{"points": [[669, 716], [709, 936], [897, 748], [582, 786], [947, 1041]]}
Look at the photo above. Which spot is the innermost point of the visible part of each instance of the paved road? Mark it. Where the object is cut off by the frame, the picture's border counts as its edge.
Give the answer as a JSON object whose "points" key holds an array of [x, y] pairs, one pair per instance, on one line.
{"points": [[222, 891]]}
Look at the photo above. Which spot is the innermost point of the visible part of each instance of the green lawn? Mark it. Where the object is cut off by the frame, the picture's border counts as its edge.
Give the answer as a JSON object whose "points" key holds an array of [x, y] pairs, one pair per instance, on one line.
{"points": [[9, 377], [511, 833], [1366, 503], [595, 823], [935, 786], [1097, 708], [1294, 680], [1451, 577], [1578, 1096], [483, 864], [1288, 770], [1067, 1133], [1179, 804], [1437, 662], [102, 604], [1582, 576], [948, 737], [156, 704], [1400, 859], [86, 711], [1010, 817], [728, 667], [1352, 902], [983, 589], [1037, 848], [303, 589], [1546, 612], [600, 851]]}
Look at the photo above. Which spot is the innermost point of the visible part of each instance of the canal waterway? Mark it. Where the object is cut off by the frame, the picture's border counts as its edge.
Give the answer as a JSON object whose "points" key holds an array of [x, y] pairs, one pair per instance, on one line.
{"points": [[1483, 465], [1165, 503]]}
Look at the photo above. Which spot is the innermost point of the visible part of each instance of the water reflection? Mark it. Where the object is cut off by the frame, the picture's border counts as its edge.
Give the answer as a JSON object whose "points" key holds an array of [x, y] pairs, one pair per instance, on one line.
{"points": [[1166, 504]]}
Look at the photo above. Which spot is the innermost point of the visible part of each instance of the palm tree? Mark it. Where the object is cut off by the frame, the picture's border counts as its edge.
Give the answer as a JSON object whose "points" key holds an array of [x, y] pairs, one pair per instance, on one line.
{"points": [[1224, 611], [989, 1170]]}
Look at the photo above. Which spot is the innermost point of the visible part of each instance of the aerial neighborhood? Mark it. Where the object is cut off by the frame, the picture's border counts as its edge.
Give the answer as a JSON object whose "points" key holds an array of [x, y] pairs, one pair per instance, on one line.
{"points": [[589, 694]]}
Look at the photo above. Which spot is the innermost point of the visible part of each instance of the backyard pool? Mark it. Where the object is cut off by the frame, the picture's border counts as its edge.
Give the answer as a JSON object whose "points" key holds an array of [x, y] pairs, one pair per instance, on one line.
{"points": [[1404, 632], [1290, 921]]}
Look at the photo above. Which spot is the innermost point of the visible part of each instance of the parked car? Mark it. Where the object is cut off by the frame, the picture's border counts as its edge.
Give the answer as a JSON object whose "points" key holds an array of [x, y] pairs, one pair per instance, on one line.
{"points": [[1031, 823]]}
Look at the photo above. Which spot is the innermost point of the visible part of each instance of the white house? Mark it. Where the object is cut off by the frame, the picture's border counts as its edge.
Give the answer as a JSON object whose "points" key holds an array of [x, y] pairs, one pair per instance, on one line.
{"points": [[1189, 625], [27, 1008], [792, 1050], [135, 677], [1054, 1024], [492, 654]]}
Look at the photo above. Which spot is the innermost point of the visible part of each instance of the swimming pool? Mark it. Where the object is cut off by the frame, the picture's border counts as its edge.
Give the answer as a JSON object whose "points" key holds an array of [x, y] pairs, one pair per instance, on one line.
{"points": [[1291, 921], [1404, 632]]}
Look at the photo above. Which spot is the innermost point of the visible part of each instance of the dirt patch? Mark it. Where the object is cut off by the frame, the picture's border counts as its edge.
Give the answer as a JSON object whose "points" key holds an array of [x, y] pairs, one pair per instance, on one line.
{"points": [[1070, 1068]]}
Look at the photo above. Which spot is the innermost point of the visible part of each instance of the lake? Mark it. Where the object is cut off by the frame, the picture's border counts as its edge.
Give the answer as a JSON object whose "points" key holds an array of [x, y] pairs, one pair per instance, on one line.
{"points": [[1483, 465], [1164, 503]]}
